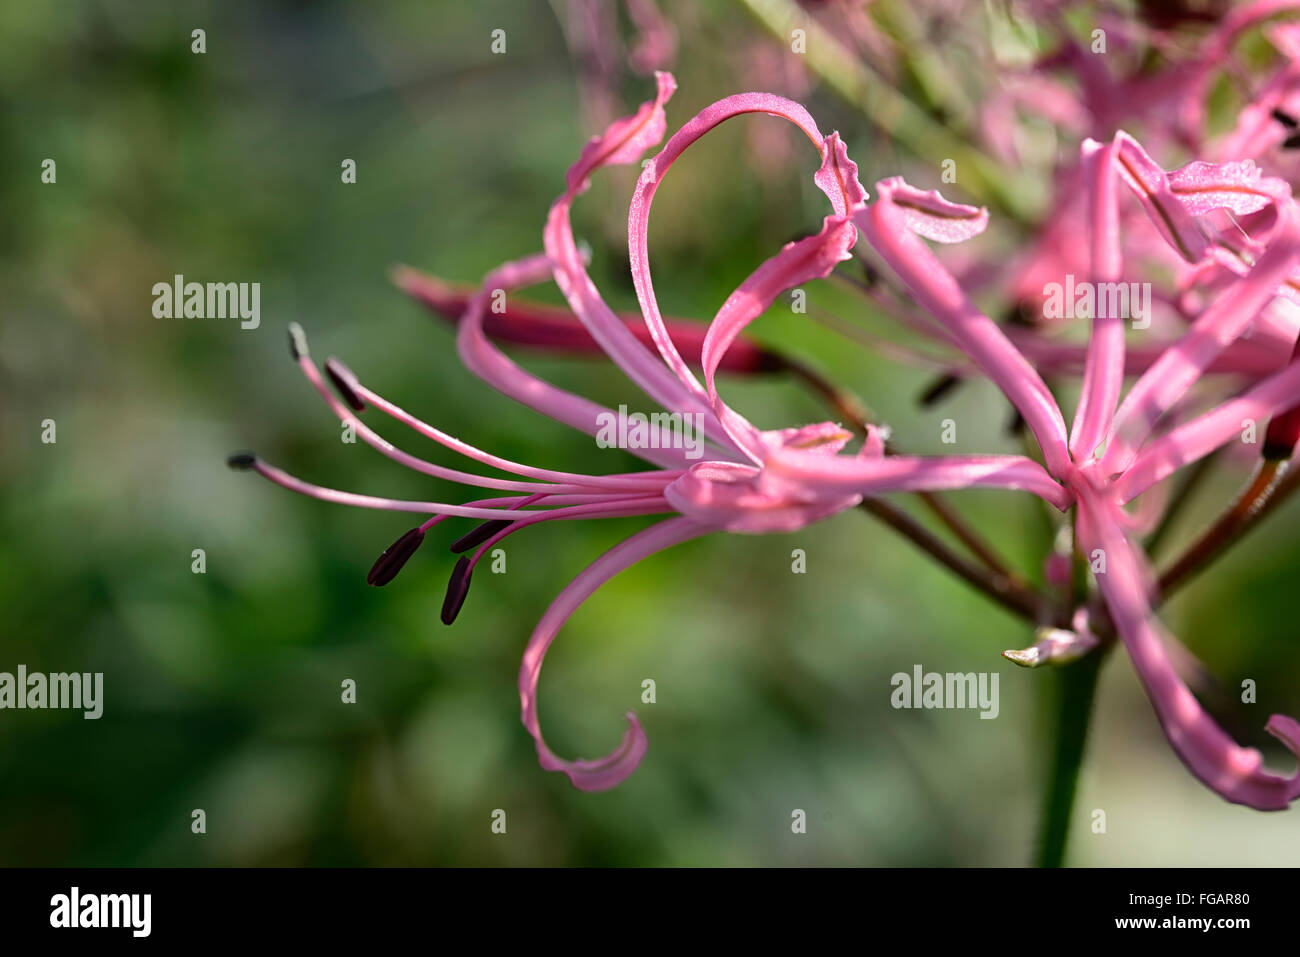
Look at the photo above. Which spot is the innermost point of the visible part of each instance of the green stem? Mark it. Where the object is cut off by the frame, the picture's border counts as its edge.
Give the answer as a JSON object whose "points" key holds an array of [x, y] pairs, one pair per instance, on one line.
{"points": [[1075, 685]]}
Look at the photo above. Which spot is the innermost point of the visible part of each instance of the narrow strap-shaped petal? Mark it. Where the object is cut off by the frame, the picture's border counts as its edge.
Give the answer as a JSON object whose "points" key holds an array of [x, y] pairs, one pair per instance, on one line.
{"points": [[837, 178], [1225, 319], [890, 225], [625, 139], [1201, 436], [1236, 186], [1235, 773], [490, 364], [1103, 371], [928, 214], [637, 362], [812, 257], [623, 142], [1172, 201], [842, 475], [604, 773]]}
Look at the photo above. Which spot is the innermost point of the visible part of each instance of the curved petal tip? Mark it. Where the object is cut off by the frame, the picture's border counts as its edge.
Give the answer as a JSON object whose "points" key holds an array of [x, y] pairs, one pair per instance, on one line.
{"points": [[929, 214], [838, 177], [1286, 730], [602, 774], [625, 139]]}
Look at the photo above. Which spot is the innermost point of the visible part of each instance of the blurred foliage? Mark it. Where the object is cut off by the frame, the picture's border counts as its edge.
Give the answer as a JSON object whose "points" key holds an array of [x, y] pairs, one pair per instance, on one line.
{"points": [[222, 690]]}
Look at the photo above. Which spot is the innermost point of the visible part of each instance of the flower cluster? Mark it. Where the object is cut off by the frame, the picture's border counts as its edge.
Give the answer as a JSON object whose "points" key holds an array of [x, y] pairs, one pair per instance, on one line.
{"points": [[1233, 232]]}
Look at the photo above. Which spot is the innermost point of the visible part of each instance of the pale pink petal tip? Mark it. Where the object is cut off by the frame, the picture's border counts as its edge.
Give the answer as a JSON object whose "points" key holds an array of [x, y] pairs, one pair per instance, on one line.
{"points": [[838, 177], [1236, 187], [602, 774], [821, 438], [873, 446], [929, 215], [625, 139], [1286, 730]]}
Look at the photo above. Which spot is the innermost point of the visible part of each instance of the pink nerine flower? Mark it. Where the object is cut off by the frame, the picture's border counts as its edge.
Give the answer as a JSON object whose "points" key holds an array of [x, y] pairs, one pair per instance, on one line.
{"points": [[1110, 456], [751, 481], [1153, 78]]}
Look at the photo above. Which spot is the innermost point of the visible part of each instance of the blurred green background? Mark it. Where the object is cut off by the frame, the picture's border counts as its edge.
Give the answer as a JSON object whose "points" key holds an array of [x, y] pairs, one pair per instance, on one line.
{"points": [[222, 690]]}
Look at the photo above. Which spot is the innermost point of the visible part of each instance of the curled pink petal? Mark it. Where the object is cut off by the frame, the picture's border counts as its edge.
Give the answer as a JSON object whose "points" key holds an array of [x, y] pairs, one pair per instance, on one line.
{"points": [[1223, 424], [1230, 770], [1103, 374], [1286, 37], [624, 142], [889, 229], [1169, 378], [837, 177], [481, 356], [928, 214], [1236, 187], [1150, 184], [1173, 201], [873, 446], [812, 257], [603, 773], [626, 138]]}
